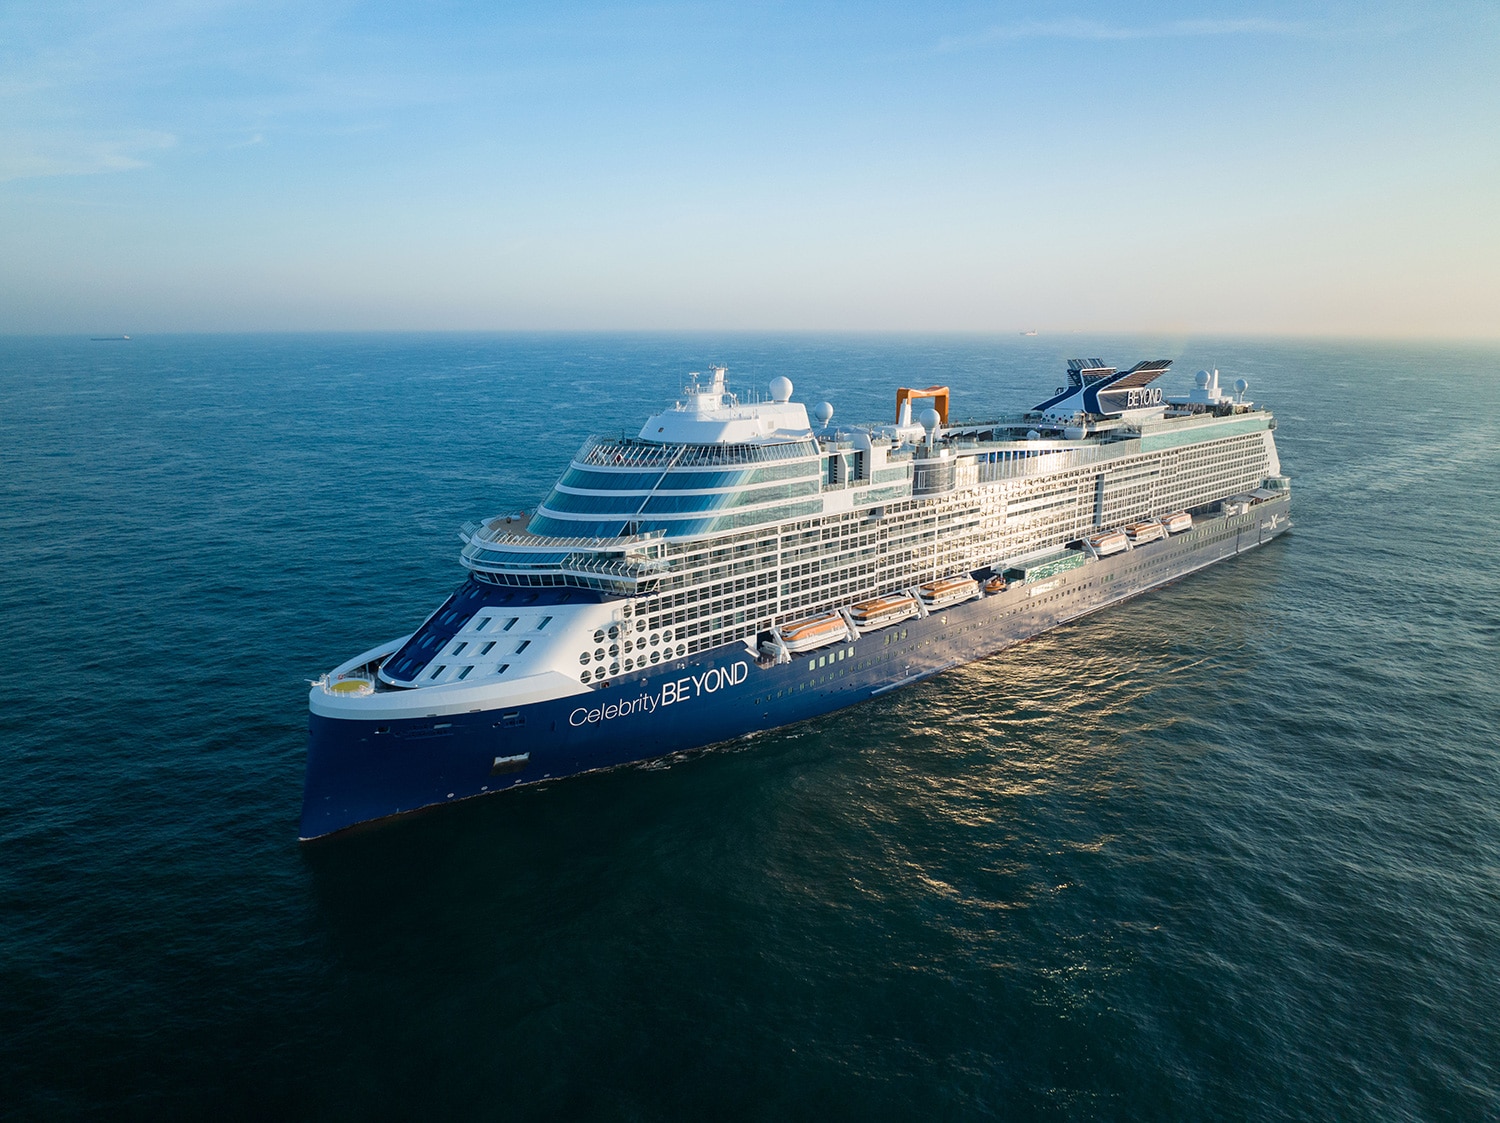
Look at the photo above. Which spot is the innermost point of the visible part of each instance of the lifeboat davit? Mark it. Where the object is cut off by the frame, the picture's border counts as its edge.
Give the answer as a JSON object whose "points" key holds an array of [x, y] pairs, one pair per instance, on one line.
{"points": [[819, 631], [1179, 522], [948, 590], [995, 584], [878, 613]]}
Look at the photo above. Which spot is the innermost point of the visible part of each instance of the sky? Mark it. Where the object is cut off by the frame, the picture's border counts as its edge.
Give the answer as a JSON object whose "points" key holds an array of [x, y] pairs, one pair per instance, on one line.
{"points": [[1263, 168]]}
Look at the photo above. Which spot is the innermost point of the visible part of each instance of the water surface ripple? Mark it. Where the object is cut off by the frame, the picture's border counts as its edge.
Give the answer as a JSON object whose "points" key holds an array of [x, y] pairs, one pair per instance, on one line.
{"points": [[1227, 851]]}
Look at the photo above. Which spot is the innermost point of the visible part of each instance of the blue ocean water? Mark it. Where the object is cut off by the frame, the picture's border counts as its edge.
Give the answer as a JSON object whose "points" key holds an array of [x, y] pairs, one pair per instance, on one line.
{"points": [[1231, 850]]}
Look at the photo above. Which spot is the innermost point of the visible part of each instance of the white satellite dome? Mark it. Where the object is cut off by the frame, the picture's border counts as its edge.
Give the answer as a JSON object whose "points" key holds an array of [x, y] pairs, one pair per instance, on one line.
{"points": [[824, 413], [781, 389], [1202, 378]]}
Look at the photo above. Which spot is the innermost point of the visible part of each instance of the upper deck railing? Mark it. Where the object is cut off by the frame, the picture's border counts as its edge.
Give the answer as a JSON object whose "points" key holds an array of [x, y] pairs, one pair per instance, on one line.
{"points": [[602, 452]]}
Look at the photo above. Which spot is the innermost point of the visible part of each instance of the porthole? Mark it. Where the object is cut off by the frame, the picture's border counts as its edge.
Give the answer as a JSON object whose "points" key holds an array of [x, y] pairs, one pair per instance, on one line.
{"points": [[629, 645], [599, 654], [599, 636], [585, 676], [681, 650], [584, 658], [614, 651], [666, 637], [655, 656], [655, 639], [614, 631], [629, 664], [614, 668]]}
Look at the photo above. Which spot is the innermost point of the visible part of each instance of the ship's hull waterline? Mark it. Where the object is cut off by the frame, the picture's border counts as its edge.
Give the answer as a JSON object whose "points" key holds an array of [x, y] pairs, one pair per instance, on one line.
{"points": [[364, 770]]}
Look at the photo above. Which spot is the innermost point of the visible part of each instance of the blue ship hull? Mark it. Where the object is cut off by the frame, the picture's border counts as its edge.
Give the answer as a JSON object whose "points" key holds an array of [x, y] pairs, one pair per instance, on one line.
{"points": [[358, 771]]}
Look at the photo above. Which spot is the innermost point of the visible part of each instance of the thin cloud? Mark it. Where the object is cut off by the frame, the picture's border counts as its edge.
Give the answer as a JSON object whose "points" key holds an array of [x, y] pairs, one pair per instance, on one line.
{"points": [[1099, 31], [32, 156]]}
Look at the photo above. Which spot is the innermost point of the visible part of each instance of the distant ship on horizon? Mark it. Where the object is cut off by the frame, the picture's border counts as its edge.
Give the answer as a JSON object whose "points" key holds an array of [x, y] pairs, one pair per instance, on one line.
{"points": [[1031, 332], [108, 338]]}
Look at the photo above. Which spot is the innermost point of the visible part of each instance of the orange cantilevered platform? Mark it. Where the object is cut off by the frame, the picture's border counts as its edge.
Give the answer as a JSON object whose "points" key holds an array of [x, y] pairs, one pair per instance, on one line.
{"points": [[938, 394]]}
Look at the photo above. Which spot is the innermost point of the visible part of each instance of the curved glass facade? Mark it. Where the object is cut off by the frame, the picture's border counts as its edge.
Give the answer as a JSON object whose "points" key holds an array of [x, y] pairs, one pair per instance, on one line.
{"points": [[686, 503], [574, 528], [606, 494], [545, 524], [568, 502], [609, 481]]}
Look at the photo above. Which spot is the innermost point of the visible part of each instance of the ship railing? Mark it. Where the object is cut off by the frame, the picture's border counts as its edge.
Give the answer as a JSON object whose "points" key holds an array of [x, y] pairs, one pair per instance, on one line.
{"points": [[548, 542], [574, 563], [627, 453]]}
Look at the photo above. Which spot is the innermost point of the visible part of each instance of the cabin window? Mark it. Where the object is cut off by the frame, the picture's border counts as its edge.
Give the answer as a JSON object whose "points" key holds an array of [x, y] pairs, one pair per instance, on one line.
{"points": [[465, 672], [502, 668], [438, 671], [483, 620], [458, 648], [485, 650], [543, 622], [511, 623], [522, 646]]}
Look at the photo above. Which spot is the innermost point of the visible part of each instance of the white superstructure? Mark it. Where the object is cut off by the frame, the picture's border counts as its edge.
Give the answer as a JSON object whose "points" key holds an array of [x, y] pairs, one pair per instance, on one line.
{"points": [[723, 520]]}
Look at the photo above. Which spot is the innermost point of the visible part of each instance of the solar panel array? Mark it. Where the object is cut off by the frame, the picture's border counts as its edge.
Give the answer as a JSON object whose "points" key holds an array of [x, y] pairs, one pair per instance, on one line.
{"points": [[1140, 374]]}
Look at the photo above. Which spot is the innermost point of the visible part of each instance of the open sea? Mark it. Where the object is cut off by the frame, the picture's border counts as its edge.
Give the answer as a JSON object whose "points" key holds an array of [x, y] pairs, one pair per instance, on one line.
{"points": [[1228, 851]]}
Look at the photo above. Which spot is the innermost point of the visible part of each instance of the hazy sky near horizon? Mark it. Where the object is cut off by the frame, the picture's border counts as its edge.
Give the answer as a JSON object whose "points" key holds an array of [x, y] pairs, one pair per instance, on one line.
{"points": [[1323, 168]]}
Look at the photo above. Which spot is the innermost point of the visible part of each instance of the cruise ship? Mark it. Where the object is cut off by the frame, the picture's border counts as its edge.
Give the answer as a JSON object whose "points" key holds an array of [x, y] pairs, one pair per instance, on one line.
{"points": [[739, 565]]}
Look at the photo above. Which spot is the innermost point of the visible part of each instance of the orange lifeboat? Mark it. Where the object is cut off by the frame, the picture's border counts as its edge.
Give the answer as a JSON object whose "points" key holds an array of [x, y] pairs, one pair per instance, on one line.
{"points": [[1148, 531], [948, 590], [819, 631], [1179, 522], [871, 614], [1107, 542]]}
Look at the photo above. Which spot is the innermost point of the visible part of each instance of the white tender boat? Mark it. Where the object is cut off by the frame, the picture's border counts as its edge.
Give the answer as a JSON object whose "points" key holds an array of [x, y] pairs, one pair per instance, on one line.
{"points": [[1148, 531]]}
